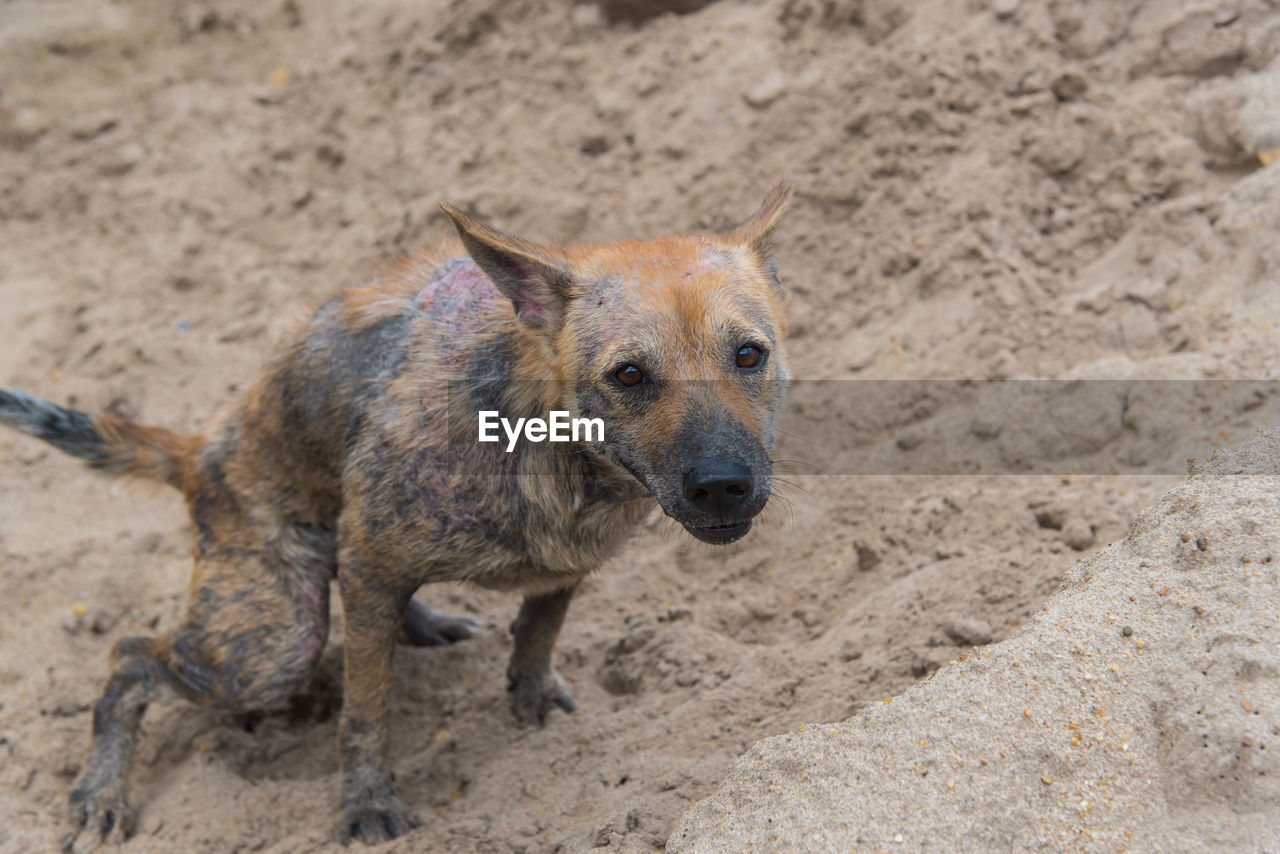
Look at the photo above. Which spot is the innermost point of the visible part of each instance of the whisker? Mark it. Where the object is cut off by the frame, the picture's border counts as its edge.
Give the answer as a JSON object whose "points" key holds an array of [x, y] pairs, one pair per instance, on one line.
{"points": [[670, 529], [783, 482], [789, 508], [817, 469], [797, 436], [783, 506]]}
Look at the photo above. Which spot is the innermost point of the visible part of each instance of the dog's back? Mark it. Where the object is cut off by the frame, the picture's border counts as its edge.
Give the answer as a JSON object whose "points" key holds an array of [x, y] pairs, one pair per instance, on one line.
{"points": [[356, 453]]}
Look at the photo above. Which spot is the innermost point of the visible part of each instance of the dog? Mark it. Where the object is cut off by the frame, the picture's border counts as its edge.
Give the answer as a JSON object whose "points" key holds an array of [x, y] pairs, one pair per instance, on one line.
{"points": [[356, 457]]}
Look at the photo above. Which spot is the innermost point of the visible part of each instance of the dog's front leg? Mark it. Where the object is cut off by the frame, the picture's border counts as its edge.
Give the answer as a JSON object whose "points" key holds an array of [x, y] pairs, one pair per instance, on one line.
{"points": [[535, 686], [372, 615]]}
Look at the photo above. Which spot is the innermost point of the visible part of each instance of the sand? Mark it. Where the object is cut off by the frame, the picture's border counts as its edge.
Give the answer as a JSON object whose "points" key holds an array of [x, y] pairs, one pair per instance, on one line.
{"points": [[1004, 190], [1137, 711]]}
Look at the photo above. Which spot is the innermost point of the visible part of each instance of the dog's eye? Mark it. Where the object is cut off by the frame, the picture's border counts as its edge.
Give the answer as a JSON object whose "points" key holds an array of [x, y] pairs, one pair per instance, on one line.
{"points": [[629, 375], [748, 356]]}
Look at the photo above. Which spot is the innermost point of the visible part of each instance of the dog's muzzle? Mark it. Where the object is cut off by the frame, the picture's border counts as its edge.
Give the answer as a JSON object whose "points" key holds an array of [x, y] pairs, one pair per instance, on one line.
{"points": [[725, 492]]}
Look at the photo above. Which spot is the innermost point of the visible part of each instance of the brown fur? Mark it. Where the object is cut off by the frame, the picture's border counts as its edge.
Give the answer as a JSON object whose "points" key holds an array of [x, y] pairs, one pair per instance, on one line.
{"points": [[354, 457]]}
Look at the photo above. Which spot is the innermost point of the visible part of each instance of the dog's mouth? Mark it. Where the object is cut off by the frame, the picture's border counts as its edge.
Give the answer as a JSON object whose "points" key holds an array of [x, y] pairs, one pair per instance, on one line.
{"points": [[722, 534]]}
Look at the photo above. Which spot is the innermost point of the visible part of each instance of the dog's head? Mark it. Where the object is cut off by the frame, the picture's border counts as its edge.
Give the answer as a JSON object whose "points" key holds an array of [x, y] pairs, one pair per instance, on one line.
{"points": [[676, 343]]}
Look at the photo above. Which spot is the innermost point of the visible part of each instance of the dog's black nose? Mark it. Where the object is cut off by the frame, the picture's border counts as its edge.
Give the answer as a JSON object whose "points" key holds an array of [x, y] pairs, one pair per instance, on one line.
{"points": [[718, 488]]}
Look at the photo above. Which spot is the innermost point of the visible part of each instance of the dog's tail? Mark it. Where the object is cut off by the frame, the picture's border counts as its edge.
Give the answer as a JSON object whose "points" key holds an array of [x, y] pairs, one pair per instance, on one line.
{"points": [[109, 444]]}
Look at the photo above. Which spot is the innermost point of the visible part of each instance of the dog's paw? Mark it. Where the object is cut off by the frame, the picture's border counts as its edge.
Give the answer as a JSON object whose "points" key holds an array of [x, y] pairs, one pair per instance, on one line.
{"points": [[424, 626], [373, 821], [532, 698], [98, 815]]}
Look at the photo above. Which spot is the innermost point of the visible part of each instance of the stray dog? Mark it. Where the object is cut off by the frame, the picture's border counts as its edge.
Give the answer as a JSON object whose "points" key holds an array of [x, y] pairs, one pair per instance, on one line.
{"points": [[356, 456]]}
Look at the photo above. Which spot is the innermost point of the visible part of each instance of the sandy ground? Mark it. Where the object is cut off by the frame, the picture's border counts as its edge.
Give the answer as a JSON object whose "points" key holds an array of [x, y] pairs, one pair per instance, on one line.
{"points": [[1137, 711], [1035, 189]]}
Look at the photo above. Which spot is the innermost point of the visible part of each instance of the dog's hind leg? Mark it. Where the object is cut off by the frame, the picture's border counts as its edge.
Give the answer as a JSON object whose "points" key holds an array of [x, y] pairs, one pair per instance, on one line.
{"points": [[255, 625], [425, 626], [100, 800]]}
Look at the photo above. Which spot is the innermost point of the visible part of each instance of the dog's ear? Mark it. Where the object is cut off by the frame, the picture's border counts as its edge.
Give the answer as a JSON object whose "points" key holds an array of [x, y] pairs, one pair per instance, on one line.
{"points": [[757, 233], [536, 280]]}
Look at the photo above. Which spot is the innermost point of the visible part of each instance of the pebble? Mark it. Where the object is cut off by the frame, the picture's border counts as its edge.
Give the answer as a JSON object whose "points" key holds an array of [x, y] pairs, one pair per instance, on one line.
{"points": [[1005, 8], [850, 651], [985, 429], [123, 160], [588, 16], [966, 631], [767, 91], [1069, 86], [1078, 535], [1151, 292], [1202, 543], [1126, 631], [196, 18], [25, 126], [1058, 149], [93, 125]]}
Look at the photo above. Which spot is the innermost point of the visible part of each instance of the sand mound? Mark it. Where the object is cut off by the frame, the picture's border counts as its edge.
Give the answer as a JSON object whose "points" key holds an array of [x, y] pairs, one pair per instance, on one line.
{"points": [[1139, 709]]}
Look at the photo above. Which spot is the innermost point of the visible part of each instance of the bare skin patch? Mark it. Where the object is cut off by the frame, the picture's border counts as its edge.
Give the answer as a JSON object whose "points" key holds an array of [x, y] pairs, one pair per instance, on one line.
{"points": [[459, 296], [355, 457], [459, 299]]}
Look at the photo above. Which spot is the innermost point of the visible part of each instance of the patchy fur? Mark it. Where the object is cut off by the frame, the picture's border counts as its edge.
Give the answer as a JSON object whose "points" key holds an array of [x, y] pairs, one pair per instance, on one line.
{"points": [[354, 457]]}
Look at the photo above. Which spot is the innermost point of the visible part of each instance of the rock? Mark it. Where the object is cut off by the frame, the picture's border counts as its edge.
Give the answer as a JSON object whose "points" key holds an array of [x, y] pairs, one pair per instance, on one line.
{"points": [[595, 144], [1139, 328], [638, 11], [1097, 299], [1260, 115], [1005, 8], [1058, 149], [196, 18], [1070, 730], [123, 160], [1151, 292], [1239, 119], [766, 91], [985, 428], [911, 440], [1078, 535], [966, 631], [92, 126], [588, 17], [1069, 86], [22, 127], [1198, 46]]}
